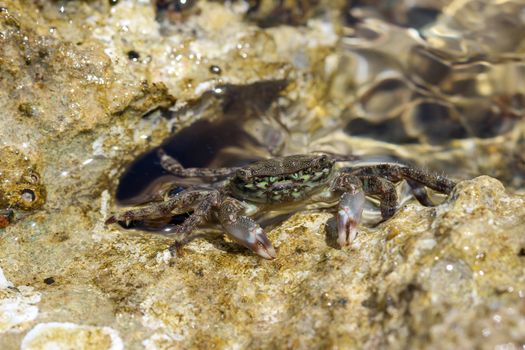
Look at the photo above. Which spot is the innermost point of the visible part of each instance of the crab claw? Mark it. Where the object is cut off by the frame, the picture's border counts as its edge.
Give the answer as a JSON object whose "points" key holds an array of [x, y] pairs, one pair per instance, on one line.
{"points": [[349, 216], [248, 233]]}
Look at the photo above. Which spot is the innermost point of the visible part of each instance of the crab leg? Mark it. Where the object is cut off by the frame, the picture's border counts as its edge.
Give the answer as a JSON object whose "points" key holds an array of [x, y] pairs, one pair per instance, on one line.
{"points": [[244, 230], [420, 193], [171, 165], [373, 185], [353, 200], [158, 210], [350, 207], [398, 172], [200, 214]]}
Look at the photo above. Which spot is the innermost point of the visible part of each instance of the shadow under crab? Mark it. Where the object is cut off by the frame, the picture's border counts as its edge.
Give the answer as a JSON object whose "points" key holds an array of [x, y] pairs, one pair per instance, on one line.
{"points": [[235, 195]]}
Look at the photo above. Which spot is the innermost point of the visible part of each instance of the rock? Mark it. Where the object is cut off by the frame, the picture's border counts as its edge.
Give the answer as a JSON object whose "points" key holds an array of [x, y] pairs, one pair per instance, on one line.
{"points": [[402, 284], [20, 185]]}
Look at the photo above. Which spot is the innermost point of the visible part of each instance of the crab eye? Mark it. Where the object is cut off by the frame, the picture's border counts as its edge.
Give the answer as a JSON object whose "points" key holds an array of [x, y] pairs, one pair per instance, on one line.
{"points": [[323, 159], [172, 192], [243, 173]]}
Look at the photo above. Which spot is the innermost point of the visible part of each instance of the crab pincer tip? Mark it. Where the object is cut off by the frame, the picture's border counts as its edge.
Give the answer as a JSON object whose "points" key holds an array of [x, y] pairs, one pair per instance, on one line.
{"points": [[266, 251], [248, 233], [349, 216]]}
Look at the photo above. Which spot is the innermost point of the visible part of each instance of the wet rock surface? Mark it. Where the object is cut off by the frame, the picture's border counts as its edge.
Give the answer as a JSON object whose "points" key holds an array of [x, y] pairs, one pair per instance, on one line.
{"points": [[88, 86]]}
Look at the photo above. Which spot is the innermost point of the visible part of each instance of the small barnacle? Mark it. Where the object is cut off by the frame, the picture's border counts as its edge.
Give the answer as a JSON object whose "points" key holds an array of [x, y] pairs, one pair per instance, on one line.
{"points": [[20, 185], [133, 55], [28, 110], [31, 177], [215, 69], [26, 196]]}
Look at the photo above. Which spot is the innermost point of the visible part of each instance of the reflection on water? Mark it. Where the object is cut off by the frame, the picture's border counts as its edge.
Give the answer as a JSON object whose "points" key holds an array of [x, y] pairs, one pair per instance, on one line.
{"points": [[445, 90]]}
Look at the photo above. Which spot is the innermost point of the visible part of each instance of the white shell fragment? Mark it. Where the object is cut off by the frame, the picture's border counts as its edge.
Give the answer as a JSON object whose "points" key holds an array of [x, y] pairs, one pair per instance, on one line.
{"points": [[17, 306], [56, 335]]}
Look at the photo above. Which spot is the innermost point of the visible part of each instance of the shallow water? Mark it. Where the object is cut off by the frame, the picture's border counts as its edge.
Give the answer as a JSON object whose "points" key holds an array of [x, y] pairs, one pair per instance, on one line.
{"points": [[417, 83], [426, 83]]}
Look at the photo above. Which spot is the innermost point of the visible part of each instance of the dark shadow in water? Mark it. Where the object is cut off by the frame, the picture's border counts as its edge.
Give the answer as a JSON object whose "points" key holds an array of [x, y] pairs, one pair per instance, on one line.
{"points": [[240, 127], [219, 142], [331, 233]]}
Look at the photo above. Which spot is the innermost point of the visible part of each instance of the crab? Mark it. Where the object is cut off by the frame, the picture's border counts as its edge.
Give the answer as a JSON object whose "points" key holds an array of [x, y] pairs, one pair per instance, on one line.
{"points": [[235, 195]]}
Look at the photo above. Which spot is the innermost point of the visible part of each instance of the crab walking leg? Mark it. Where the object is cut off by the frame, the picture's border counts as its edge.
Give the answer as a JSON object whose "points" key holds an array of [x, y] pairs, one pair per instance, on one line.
{"points": [[158, 210], [244, 230], [398, 172], [420, 193], [373, 185], [436, 182], [200, 214], [350, 207], [171, 165]]}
